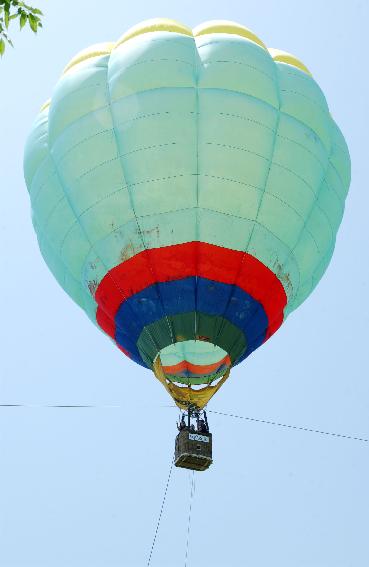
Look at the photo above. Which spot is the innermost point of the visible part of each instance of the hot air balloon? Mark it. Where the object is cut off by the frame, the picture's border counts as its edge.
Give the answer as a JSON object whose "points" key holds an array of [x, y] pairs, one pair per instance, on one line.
{"points": [[187, 187]]}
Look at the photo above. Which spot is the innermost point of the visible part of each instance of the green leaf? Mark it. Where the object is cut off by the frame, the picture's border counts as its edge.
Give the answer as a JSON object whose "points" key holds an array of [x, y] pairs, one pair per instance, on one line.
{"points": [[33, 22], [2, 46], [37, 11], [6, 18], [23, 20]]}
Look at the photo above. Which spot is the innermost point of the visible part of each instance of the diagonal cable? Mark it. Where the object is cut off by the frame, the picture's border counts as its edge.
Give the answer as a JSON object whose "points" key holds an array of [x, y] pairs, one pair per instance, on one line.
{"points": [[161, 513], [298, 427]]}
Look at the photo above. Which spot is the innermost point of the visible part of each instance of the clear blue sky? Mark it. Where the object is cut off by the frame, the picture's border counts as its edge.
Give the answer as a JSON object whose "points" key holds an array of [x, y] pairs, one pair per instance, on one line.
{"points": [[83, 487]]}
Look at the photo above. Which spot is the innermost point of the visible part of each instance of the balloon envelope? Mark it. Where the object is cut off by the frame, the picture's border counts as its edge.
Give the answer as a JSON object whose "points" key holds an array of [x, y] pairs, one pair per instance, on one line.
{"points": [[187, 188]]}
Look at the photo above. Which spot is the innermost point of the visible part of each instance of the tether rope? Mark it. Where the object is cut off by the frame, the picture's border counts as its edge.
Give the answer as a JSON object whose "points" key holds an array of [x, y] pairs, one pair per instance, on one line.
{"points": [[192, 495], [300, 428], [161, 512]]}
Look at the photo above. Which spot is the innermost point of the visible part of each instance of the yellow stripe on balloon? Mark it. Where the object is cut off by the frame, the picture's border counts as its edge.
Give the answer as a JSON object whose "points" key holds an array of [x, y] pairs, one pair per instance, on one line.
{"points": [[154, 25], [97, 50], [285, 57], [225, 26]]}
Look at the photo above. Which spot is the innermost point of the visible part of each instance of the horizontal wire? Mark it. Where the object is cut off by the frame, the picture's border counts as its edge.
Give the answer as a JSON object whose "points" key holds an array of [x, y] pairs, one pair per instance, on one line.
{"points": [[300, 428], [247, 418], [56, 406], [95, 406]]}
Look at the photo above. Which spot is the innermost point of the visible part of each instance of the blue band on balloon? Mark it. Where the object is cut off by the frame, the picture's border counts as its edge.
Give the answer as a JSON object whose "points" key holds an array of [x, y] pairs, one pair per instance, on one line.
{"points": [[185, 295]]}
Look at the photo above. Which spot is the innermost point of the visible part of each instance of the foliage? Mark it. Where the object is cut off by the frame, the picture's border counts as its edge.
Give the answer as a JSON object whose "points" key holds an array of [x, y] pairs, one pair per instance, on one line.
{"points": [[17, 10]]}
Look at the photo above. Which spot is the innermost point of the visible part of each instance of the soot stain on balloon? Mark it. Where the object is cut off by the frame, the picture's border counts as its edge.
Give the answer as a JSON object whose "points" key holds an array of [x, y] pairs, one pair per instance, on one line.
{"points": [[127, 252], [130, 250], [150, 232], [284, 277], [92, 286]]}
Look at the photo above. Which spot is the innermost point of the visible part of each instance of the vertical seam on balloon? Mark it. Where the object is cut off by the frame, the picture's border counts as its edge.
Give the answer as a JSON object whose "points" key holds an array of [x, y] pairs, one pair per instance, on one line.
{"points": [[126, 186], [312, 208], [197, 121], [334, 191], [132, 204], [275, 134], [42, 236], [61, 182], [76, 221], [314, 203], [338, 175]]}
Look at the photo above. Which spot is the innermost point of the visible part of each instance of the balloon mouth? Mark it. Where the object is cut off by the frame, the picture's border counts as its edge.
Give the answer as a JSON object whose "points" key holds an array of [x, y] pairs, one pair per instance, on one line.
{"points": [[194, 362]]}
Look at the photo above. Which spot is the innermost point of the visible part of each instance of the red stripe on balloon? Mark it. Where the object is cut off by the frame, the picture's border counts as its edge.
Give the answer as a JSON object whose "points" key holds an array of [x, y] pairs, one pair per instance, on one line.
{"points": [[184, 365], [185, 260]]}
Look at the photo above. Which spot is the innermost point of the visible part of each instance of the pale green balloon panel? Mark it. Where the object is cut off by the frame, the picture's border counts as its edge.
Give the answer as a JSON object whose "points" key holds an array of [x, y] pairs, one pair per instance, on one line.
{"points": [[49, 211], [171, 140]]}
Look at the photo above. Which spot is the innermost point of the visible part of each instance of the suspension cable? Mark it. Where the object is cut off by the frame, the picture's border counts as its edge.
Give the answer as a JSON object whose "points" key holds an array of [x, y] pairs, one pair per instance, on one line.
{"points": [[300, 428], [161, 512], [192, 495]]}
